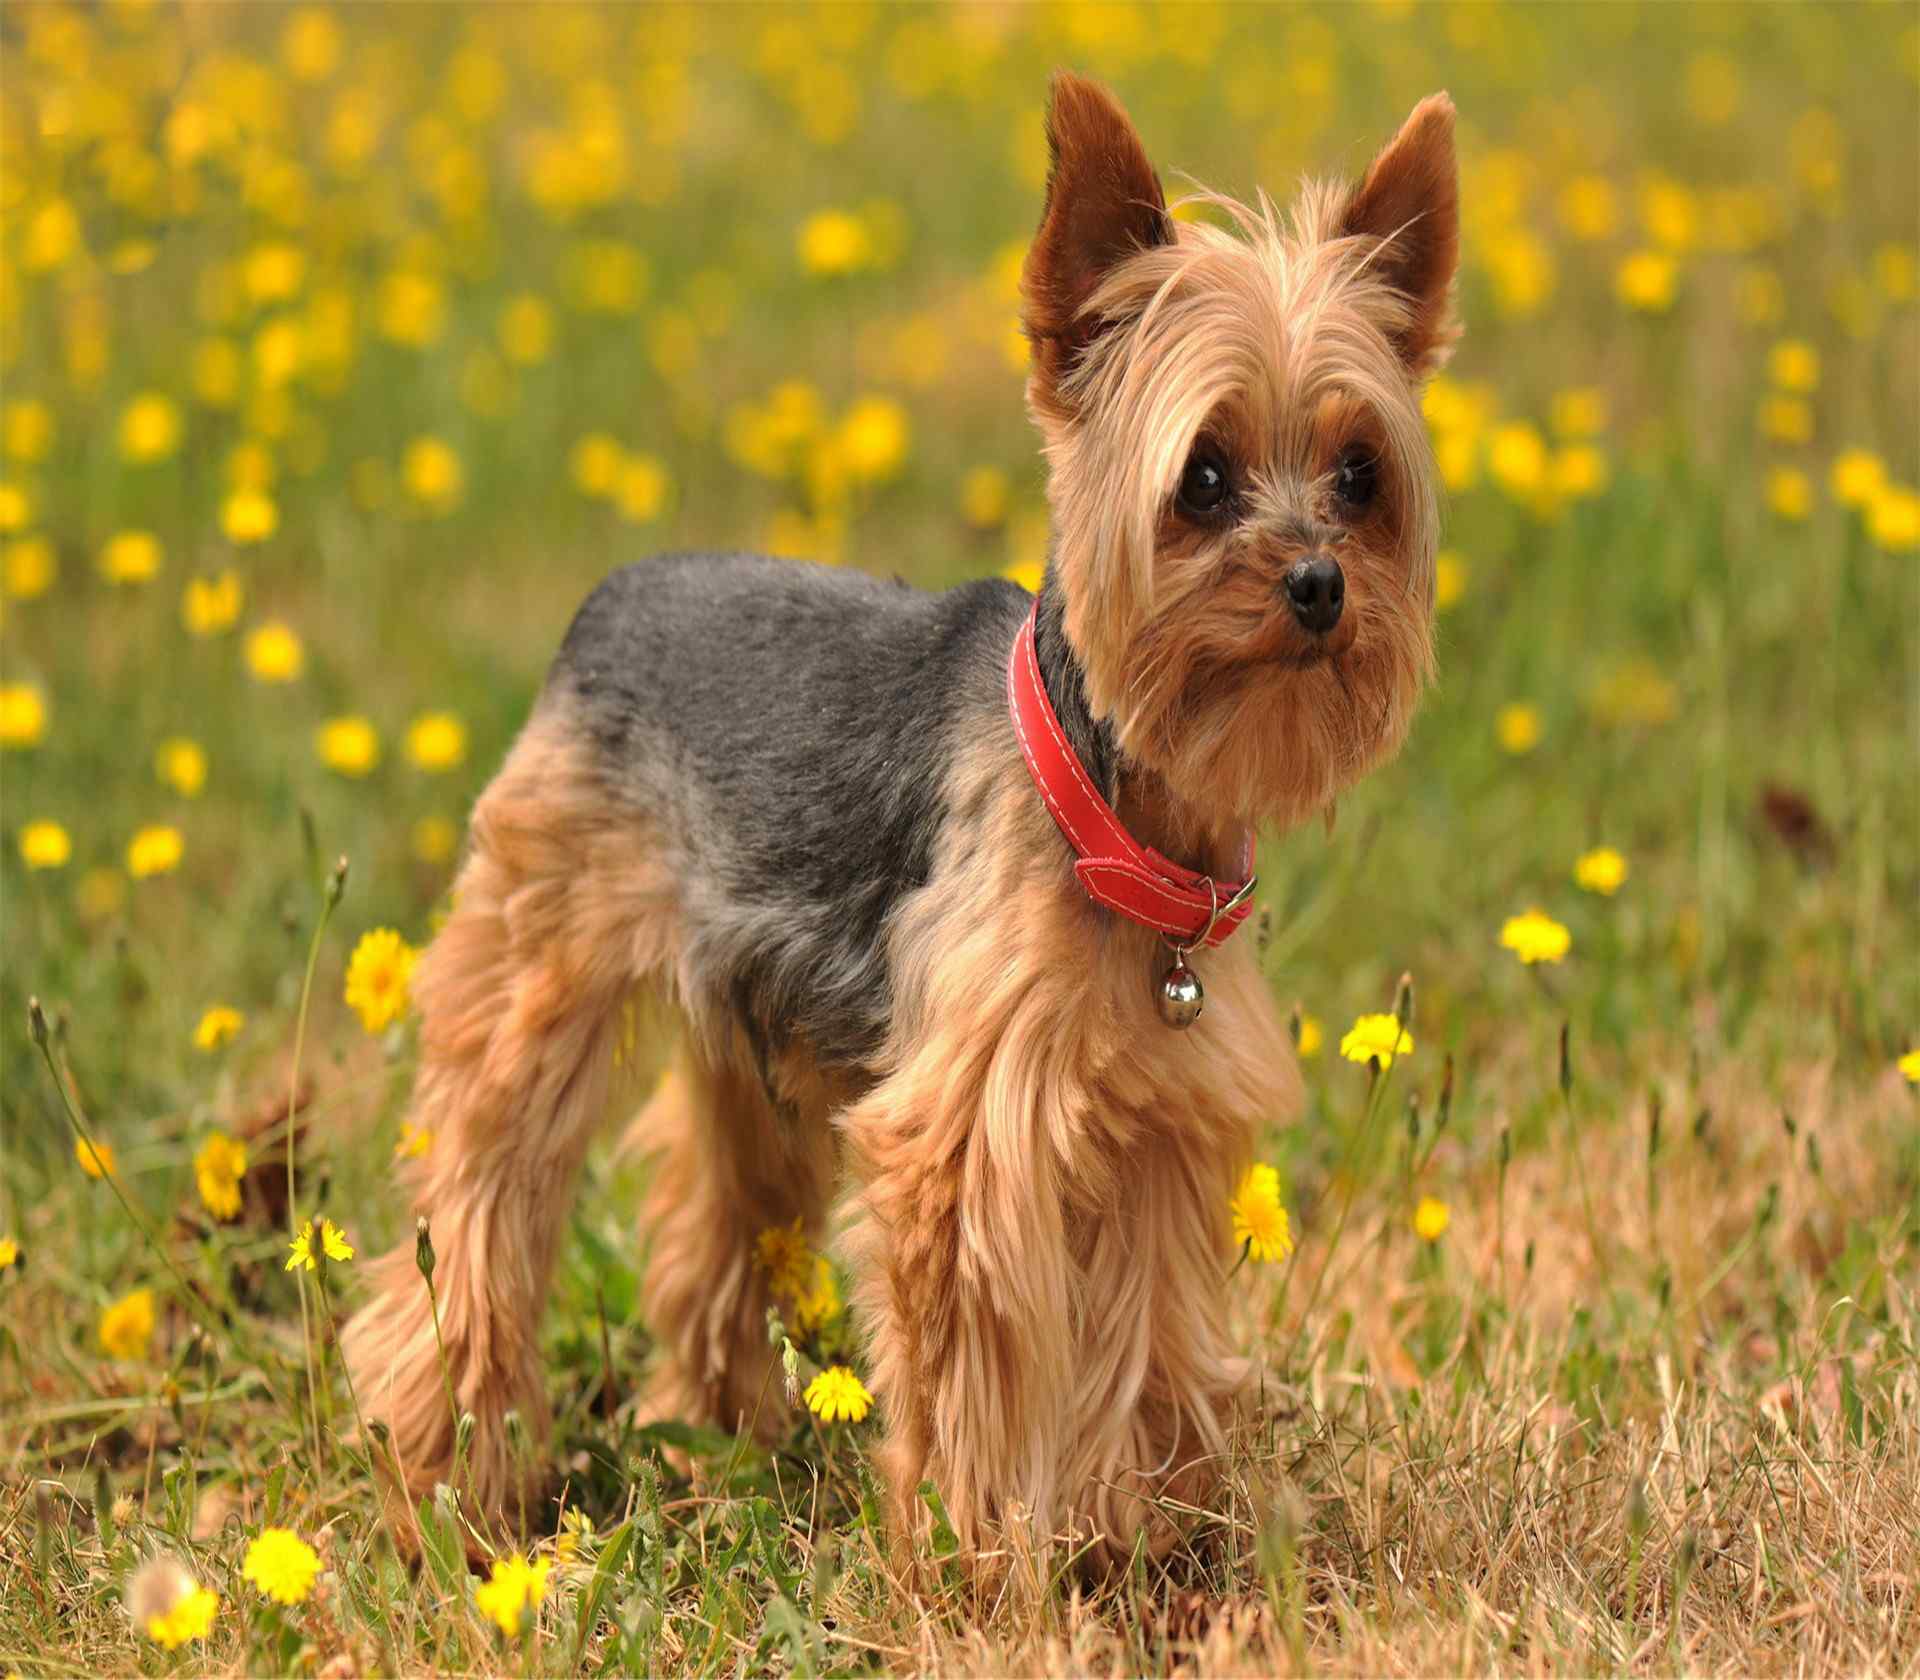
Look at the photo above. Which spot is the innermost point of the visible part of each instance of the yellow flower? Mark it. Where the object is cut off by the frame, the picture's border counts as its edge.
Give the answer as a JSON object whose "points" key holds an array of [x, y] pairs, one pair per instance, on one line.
{"points": [[190, 1617], [218, 1167], [181, 764], [130, 557], [44, 845], [1634, 691], [595, 464], [837, 1393], [802, 1279], [1535, 937], [1589, 207], [1647, 281], [833, 242], [379, 974], [1856, 475], [274, 653], [26, 429], [1029, 574], [333, 1244], [1260, 1223], [218, 1026], [9, 1253], [1579, 471], [96, 1159], [1786, 419], [1376, 1038], [311, 44], [433, 475], [414, 1142], [1794, 365], [1601, 870], [23, 715], [1909, 1065], [1893, 518], [52, 236], [126, 1327], [640, 490], [347, 745], [1449, 579], [514, 1588], [1517, 727], [526, 329], [30, 567], [217, 372], [154, 850], [149, 428], [1789, 493], [281, 1565], [412, 309], [874, 438], [210, 605], [434, 839], [16, 508], [437, 741], [1431, 1219], [249, 516], [1580, 412], [1517, 458], [984, 493]]}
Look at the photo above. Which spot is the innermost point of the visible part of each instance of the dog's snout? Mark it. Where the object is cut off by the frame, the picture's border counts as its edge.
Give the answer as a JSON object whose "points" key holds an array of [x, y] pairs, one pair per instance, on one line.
{"points": [[1318, 590]]}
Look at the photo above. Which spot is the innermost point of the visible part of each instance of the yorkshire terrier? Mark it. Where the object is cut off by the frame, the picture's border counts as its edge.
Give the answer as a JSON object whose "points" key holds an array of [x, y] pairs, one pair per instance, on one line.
{"points": [[931, 885]]}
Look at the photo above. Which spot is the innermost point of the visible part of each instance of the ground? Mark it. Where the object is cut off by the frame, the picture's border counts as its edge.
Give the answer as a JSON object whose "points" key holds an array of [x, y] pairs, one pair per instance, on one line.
{"points": [[342, 349]]}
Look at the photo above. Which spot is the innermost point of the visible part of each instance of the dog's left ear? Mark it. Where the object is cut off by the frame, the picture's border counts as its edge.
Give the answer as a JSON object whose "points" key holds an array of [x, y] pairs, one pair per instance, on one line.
{"points": [[1103, 203], [1410, 204]]}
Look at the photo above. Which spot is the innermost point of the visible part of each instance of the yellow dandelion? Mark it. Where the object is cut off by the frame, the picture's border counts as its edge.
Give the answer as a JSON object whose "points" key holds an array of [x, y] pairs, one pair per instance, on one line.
{"points": [[1431, 1219], [525, 328], [1789, 493], [837, 1393], [44, 844], [641, 488], [210, 605], [874, 438], [218, 1167], [26, 429], [786, 1256], [28, 568], [9, 1253], [189, 1617], [281, 1565], [1786, 419], [126, 1327], [1449, 579], [1855, 476], [16, 508], [511, 1590], [379, 977], [1376, 1038], [594, 464], [434, 839], [219, 1026], [348, 746], [1794, 365], [984, 495], [1535, 937], [1909, 1066], [433, 475], [1602, 870], [1260, 1223], [149, 428], [96, 1160], [275, 653], [414, 1142], [1029, 574], [437, 741], [1312, 1038], [833, 242], [1518, 727], [130, 557], [154, 850], [23, 715], [1647, 281], [1580, 411], [181, 764], [309, 1246], [1893, 519], [249, 515], [1517, 458]]}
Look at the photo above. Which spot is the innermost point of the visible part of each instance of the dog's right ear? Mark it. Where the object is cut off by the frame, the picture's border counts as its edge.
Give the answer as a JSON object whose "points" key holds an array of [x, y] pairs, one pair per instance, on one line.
{"points": [[1103, 203]]}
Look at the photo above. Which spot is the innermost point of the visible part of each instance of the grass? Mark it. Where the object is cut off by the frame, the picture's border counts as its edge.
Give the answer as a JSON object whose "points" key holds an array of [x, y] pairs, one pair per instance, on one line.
{"points": [[1649, 1402]]}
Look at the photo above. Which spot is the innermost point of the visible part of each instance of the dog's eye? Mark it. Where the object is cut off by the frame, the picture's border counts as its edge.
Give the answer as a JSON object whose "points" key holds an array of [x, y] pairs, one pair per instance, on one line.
{"points": [[1355, 477], [1203, 486]]}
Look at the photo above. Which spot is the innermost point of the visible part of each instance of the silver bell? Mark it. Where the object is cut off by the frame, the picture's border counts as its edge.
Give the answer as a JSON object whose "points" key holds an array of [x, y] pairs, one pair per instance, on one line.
{"points": [[1180, 997]]}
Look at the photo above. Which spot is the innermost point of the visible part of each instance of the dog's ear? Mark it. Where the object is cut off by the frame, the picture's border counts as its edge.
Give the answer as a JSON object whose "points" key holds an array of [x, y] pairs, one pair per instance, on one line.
{"points": [[1103, 203], [1409, 206]]}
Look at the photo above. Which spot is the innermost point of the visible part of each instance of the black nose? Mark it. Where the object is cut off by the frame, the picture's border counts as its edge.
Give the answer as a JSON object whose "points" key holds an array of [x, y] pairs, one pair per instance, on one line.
{"points": [[1318, 589]]}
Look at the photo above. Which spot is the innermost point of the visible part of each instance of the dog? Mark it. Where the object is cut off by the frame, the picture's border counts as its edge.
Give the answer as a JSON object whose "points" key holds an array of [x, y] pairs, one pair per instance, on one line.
{"points": [[940, 890]]}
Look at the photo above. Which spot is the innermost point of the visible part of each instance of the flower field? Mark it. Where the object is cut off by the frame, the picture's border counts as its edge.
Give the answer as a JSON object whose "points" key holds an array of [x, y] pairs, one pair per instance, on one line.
{"points": [[342, 348]]}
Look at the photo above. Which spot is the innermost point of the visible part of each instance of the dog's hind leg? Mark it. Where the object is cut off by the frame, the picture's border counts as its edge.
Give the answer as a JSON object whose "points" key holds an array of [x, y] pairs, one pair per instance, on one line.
{"points": [[563, 907], [730, 1161]]}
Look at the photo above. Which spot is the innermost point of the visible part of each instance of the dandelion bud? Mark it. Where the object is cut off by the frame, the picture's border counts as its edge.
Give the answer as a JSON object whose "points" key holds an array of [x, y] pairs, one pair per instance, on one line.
{"points": [[1685, 1556], [337, 881], [790, 1368], [423, 1255], [1293, 1026], [1792, 1126], [1413, 1119], [1444, 1112], [42, 1529], [1403, 1001], [310, 840], [1566, 1058], [36, 1022], [515, 1427], [463, 1435]]}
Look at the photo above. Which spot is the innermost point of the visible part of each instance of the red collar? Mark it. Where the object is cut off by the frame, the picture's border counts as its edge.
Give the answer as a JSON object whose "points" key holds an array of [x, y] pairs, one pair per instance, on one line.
{"points": [[1115, 869]]}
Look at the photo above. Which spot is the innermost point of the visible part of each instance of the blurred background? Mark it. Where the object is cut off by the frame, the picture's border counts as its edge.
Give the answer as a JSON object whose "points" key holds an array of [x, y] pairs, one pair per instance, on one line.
{"points": [[344, 347]]}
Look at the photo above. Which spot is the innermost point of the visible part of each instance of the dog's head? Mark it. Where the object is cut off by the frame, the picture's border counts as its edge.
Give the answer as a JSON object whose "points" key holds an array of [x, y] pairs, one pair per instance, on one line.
{"points": [[1243, 493]]}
